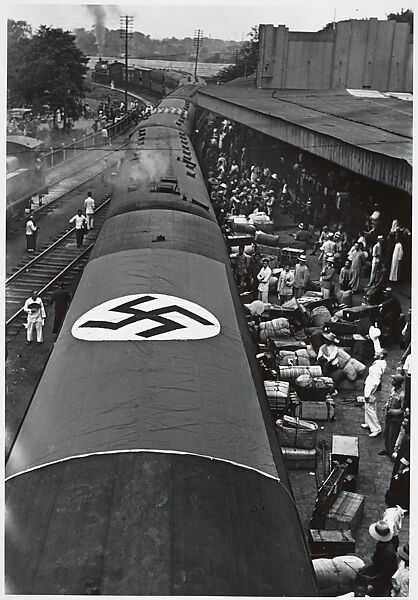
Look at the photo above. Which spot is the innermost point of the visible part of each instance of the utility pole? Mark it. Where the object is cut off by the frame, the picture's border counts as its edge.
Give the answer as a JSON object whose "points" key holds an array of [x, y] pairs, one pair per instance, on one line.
{"points": [[126, 23], [197, 42]]}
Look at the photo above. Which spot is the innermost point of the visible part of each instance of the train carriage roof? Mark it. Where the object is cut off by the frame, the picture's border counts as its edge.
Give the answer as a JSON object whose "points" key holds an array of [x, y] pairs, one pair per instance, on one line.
{"points": [[24, 141], [195, 395]]}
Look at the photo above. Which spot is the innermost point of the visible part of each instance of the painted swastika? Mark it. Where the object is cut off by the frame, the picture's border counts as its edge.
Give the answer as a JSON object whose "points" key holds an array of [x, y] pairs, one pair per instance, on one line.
{"points": [[148, 317]]}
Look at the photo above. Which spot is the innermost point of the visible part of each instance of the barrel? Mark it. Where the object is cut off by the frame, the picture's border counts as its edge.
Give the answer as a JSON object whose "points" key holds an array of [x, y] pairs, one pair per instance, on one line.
{"points": [[266, 239], [244, 228], [292, 373]]}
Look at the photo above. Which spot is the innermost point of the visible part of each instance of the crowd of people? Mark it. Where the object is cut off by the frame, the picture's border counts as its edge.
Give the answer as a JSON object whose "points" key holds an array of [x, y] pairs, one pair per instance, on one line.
{"points": [[239, 185]]}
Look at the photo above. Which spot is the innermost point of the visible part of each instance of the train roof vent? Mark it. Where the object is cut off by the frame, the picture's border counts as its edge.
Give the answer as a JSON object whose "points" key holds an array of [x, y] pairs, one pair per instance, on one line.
{"points": [[167, 185], [190, 174]]}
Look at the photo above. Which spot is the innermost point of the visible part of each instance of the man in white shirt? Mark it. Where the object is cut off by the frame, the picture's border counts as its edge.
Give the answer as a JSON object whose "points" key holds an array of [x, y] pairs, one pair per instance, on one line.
{"points": [[89, 206], [31, 231], [263, 281], [35, 310], [80, 223]]}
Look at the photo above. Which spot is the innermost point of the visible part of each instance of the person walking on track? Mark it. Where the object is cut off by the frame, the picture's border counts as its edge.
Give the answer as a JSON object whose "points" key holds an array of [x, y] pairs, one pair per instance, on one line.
{"points": [[31, 233], [34, 308], [80, 225], [89, 206]]}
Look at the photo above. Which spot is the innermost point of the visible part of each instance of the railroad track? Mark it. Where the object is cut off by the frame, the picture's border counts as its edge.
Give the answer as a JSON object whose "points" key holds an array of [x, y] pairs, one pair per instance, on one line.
{"points": [[55, 262]]}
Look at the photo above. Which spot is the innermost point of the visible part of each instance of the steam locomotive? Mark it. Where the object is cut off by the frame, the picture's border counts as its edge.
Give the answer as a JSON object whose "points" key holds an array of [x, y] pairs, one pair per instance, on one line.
{"points": [[147, 462]]}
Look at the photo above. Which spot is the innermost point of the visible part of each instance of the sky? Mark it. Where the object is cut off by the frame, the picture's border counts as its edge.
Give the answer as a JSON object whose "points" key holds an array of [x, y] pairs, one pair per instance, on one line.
{"points": [[230, 20]]}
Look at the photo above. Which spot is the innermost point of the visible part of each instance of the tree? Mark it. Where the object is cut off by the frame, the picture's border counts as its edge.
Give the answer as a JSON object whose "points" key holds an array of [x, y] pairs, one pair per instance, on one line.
{"points": [[56, 68], [246, 60], [19, 35], [405, 16]]}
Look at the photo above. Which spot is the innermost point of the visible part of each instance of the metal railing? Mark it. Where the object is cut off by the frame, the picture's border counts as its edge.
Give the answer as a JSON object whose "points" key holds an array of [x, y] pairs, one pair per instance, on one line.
{"points": [[69, 151]]}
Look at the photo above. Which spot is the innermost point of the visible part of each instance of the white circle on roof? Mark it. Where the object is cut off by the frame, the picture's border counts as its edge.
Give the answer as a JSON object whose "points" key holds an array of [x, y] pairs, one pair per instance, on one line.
{"points": [[146, 317]]}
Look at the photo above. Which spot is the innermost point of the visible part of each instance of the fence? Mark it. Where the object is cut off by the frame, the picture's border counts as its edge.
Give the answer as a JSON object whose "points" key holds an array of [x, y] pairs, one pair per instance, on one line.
{"points": [[87, 142]]}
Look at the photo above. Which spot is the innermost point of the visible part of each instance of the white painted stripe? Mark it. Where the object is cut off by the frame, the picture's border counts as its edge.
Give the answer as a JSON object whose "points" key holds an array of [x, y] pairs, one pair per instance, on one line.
{"points": [[54, 462]]}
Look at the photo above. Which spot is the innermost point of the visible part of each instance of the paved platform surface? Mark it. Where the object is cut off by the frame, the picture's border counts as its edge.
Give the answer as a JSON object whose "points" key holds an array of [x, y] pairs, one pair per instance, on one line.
{"points": [[374, 471]]}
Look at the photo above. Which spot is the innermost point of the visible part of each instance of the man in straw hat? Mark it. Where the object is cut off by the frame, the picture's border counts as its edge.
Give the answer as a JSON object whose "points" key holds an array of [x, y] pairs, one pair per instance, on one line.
{"points": [[327, 353], [378, 573], [373, 380], [400, 579], [301, 277], [327, 277]]}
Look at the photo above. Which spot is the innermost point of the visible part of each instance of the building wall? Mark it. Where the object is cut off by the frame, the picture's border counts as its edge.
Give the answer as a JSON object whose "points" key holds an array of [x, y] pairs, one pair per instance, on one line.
{"points": [[367, 54]]}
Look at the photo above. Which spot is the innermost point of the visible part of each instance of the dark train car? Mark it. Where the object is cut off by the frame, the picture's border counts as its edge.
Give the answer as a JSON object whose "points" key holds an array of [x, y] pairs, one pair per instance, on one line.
{"points": [[25, 173], [142, 78], [116, 72], [147, 463]]}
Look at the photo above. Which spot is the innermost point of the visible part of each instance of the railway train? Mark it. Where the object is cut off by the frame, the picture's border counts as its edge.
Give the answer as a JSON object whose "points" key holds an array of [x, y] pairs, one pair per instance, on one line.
{"points": [[160, 81], [147, 462], [25, 174]]}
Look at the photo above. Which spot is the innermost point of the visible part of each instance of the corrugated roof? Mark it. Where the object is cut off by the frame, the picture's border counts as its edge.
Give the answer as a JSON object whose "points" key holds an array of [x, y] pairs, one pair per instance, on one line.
{"points": [[379, 125]]}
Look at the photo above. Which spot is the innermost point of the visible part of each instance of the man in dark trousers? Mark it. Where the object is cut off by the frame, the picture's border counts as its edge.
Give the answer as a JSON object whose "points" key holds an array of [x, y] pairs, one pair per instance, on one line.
{"points": [[377, 575], [61, 299]]}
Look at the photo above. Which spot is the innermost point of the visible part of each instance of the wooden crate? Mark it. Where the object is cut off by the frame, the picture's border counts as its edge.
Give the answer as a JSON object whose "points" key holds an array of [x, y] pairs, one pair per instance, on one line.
{"points": [[344, 447], [330, 543], [346, 512]]}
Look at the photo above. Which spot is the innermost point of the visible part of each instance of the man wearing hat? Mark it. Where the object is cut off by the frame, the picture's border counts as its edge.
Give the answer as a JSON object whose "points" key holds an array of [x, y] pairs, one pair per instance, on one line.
{"points": [[394, 411], [302, 236], [327, 249], [301, 277], [327, 353], [34, 308], [400, 579], [372, 382], [377, 253], [390, 310], [327, 277], [378, 573], [263, 281]]}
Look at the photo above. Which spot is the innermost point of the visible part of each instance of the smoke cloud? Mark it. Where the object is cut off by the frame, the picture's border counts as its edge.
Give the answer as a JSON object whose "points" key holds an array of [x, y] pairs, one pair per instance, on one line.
{"points": [[149, 168], [99, 14]]}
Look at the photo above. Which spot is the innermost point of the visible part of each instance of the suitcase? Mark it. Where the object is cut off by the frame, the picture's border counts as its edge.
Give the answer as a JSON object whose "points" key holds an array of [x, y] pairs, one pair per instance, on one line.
{"points": [[341, 329], [346, 512], [297, 459], [290, 344], [357, 312], [316, 411], [363, 348], [330, 543]]}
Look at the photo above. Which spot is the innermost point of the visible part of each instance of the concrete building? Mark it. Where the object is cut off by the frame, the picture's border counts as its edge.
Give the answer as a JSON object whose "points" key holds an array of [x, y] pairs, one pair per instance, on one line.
{"points": [[364, 54]]}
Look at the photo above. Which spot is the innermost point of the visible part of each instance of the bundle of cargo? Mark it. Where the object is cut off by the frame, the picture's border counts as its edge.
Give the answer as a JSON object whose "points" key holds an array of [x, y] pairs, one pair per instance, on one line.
{"points": [[316, 411], [277, 393], [296, 433], [313, 388], [267, 239], [262, 222], [350, 366], [243, 226], [337, 576], [290, 344], [292, 373], [363, 347], [289, 358], [277, 328], [320, 315]]}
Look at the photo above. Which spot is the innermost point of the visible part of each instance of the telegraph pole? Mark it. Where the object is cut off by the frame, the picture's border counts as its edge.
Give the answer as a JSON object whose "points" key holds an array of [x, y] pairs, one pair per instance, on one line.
{"points": [[197, 42], [126, 23]]}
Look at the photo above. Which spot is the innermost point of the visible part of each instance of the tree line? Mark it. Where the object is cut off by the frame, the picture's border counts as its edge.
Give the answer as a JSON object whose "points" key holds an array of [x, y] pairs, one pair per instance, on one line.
{"points": [[45, 70]]}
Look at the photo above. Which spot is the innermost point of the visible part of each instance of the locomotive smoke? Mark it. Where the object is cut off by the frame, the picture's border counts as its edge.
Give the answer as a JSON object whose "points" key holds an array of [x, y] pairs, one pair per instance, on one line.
{"points": [[150, 168], [99, 15]]}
